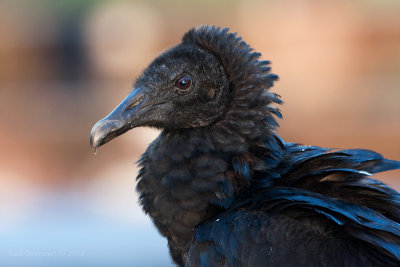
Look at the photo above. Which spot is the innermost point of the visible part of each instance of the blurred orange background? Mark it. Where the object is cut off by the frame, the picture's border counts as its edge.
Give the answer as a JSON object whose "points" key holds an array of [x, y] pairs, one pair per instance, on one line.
{"points": [[66, 64]]}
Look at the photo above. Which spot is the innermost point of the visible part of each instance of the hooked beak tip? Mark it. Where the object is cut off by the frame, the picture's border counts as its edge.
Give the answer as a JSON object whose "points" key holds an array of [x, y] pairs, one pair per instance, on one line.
{"points": [[104, 131], [97, 134]]}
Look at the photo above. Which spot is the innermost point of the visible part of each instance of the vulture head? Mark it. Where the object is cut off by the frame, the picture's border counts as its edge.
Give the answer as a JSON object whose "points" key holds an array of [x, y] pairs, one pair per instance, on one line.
{"points": [[194, 84]]}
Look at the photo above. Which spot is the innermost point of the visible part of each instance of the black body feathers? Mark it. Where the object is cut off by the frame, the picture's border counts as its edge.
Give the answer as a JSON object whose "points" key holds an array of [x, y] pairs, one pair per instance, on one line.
{"points": [[225, 190]]}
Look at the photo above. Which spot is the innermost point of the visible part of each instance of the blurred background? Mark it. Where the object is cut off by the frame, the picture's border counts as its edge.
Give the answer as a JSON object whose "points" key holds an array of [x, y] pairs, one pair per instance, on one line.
{"points": [[66, 64]]}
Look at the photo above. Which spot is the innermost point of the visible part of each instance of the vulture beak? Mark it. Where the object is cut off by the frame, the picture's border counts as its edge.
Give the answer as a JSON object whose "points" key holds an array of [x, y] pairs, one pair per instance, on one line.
{"points": [[123, 118]]}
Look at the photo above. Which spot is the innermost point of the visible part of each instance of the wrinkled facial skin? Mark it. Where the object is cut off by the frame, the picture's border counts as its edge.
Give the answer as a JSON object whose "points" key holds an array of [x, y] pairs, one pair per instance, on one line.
{"points": [[200, 104], [158, 100]]}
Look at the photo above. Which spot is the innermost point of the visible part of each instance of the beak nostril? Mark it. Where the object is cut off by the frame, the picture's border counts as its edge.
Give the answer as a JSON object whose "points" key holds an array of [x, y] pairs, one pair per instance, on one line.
{"points": [[137, 102]]}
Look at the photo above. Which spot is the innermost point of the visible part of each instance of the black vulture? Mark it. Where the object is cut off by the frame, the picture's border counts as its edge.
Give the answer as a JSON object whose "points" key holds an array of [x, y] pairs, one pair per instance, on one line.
{"points": [[225, 189]]}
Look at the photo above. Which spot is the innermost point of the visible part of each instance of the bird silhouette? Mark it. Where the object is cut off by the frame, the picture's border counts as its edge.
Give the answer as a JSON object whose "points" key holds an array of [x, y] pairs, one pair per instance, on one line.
{"points": [[225, 189]]}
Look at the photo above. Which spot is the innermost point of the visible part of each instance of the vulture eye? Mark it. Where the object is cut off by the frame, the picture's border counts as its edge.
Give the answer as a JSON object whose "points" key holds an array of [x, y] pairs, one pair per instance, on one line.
{"points": [[184, 82]]}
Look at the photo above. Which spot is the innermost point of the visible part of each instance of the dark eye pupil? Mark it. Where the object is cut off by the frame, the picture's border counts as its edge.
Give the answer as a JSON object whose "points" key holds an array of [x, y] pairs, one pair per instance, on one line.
{"points": [[183, 82]]}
